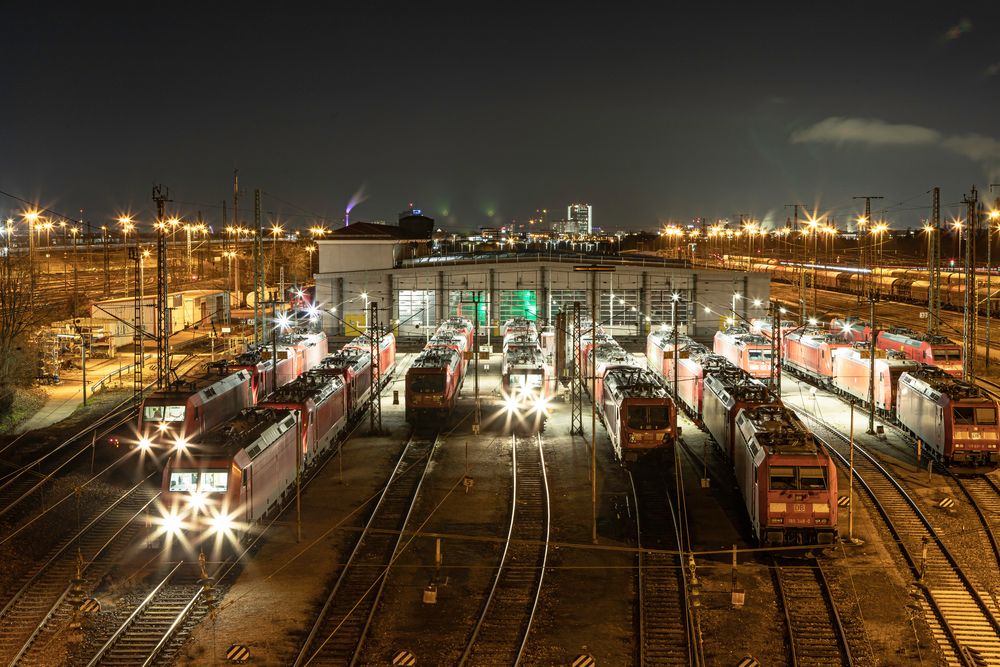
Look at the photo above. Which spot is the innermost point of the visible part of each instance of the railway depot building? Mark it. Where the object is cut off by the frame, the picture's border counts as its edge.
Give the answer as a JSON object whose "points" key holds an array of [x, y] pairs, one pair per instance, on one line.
{"points": [[414, 288]]}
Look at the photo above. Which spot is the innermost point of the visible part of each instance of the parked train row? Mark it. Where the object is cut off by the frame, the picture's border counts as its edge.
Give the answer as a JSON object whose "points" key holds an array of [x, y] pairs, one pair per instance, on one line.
{"points": [[524, 372], [435, 377], [955, 420], [185, 409], [227, 478], [631, 401], [787, 479], [910, 285]]}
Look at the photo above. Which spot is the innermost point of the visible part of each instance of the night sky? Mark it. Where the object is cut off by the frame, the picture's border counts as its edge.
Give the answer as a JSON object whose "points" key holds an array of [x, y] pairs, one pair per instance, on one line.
{"points": [[483, 114]]}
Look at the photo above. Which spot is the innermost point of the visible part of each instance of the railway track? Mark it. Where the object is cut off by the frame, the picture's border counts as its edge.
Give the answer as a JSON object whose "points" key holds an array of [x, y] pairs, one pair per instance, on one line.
{"points": [[42, 596], [962, 620], [22, 479], [816, 635], [338, 633], [158, 626], [504, 624], [667, 635]]}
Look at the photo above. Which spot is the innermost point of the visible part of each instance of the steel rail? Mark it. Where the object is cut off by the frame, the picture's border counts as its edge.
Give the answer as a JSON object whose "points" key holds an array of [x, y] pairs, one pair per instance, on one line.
{"points": [[959, 645], [510, 622], [308, 653]]}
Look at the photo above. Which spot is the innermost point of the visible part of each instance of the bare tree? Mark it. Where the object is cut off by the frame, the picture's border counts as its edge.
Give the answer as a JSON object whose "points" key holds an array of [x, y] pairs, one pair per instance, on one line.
{"points": [[20, 318]]}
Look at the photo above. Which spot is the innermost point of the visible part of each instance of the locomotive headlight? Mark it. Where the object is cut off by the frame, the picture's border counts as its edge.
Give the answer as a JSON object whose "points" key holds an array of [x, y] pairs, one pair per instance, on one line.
{"points": [[196, 501], [180, 444], [162, 426], [171, 524], [541, 405], [510, 403], [822, 508], [221, 524], [145, 444]]}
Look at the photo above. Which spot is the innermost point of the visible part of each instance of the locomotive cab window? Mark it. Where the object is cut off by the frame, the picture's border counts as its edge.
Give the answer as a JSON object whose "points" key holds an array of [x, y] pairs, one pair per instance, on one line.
{"points": [[153, 413], [183, 481], [206, 481], [214, 481], [163, 413], [812, 478], [800, 478], [965, 416], [782, 478], [760, 355], [427, 383], [986, 416], [648, 417]]}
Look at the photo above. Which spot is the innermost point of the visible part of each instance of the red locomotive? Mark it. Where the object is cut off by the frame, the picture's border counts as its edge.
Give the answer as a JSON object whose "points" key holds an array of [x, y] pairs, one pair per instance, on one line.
{"points": [[923, 348], [432, 385], [319, 402], [748, 351], [610, 355], [525, 376], [637, 410], [936, 350], [852, 376], [693, 363], [296, 354], [787, 479], [728, 390], [810, 354], [387, 351], [460, 326], [762, 327], [185, 409], [956, 420]]}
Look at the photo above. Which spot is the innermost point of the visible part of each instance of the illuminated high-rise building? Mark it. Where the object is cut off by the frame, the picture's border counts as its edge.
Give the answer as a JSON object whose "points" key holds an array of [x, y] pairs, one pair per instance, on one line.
{"points": [[581, 218]]}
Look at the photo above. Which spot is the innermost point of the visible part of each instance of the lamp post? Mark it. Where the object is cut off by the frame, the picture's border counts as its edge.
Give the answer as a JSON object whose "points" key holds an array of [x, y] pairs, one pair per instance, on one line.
{"points": [[31, 218], [994, 215]]}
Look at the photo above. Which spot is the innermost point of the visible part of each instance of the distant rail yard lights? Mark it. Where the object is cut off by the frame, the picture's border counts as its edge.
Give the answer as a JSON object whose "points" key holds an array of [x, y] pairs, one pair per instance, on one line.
{"points": [[318, 231], [957, 226]]}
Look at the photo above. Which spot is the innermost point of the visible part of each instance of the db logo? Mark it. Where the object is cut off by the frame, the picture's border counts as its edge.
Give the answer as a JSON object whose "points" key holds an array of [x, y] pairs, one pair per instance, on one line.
{"points": [[798, 508]]}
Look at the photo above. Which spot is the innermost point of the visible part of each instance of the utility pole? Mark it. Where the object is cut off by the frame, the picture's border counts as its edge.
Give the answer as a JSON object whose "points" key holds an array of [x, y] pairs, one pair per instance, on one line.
{"points": [[258, 278], [994, 215], [871, 291], [375, 396], [775, 333], [107, 260], [593, 407], [971, 314], [138, 340], [161, 197], [934, 266], [673, 320], [867, 253], [802, 268], [576, 380]]}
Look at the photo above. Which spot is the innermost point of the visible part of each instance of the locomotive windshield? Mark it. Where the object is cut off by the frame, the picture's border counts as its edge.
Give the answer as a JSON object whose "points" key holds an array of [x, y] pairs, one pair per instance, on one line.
{"points": [[969, 415], [427, 383], [206, 481], [798, 478], [759, 355], [527, 380], [163, 413], [947, 355], [648, 417]]}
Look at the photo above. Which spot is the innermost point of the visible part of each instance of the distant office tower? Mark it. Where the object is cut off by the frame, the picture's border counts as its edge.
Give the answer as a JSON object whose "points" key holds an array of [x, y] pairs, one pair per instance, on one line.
{"points": [[581, 218]]}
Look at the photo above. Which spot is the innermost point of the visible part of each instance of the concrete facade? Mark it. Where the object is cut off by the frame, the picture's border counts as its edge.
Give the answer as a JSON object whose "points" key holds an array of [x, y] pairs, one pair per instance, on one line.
{"points": [[415, 295]]}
